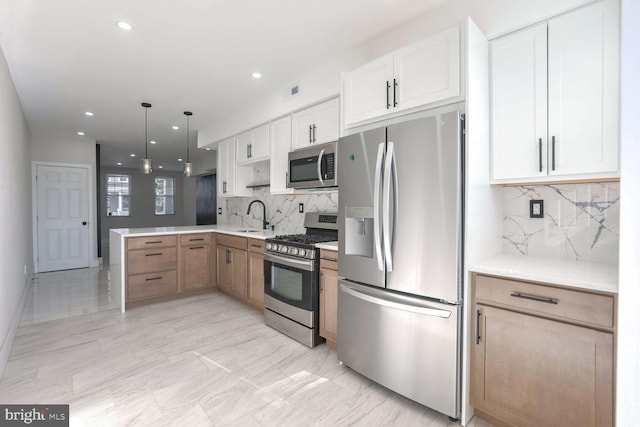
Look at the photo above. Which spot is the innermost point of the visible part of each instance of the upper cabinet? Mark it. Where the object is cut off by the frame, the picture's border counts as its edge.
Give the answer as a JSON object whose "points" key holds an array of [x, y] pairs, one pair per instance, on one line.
{"points": [[253, 146], [554, 99], [280, 147], [231, 179], [423, 73], [316, 125]]}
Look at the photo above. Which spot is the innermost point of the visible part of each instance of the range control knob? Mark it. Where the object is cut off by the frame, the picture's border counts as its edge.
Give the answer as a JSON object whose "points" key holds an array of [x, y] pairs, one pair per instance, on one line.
{"points": [[274, 247], [302, 252], [293, 251], [268, 246], [284, 249]]}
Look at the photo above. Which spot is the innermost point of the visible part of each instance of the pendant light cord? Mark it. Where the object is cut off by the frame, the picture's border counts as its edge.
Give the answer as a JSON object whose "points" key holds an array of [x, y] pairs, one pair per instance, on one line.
{"points": [[146, 130], [187, 139]]}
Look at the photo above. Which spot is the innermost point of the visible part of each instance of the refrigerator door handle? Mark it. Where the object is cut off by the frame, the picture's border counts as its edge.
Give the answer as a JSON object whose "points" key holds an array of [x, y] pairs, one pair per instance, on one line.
{"points": [[320, 156], [377, 194], [418, 309], [390, 176]]}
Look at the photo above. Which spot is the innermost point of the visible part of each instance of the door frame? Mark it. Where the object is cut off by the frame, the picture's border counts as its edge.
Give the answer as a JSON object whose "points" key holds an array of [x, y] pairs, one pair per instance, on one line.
{"points": [[93, 260]]}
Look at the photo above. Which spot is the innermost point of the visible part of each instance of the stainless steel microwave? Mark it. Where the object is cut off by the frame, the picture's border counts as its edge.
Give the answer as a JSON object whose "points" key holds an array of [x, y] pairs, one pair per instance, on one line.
{"points": [[313, 167]]}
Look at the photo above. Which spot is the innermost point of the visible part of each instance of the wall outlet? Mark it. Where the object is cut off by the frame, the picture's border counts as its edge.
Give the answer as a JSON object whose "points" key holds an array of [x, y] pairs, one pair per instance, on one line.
{"points": [[536, 208], [301, 207], [219, 211]]}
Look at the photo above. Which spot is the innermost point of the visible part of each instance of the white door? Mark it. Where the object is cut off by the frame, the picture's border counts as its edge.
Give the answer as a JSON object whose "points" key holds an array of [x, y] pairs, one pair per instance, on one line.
{"points": [[519, 105], [62, 217], [327, 121]]}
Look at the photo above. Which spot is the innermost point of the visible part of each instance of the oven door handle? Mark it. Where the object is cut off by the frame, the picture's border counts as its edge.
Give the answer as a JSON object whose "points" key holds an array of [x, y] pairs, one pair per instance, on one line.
{"points": [[290, 262]]}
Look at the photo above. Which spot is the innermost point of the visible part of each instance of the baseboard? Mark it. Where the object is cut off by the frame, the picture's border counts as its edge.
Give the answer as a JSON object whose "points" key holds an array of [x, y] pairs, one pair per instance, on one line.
{"points": [[7, 344]]}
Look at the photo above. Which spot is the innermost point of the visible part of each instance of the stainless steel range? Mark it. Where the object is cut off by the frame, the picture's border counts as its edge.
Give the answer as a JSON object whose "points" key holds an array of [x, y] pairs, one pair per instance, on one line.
{"points": [[291, 267]]}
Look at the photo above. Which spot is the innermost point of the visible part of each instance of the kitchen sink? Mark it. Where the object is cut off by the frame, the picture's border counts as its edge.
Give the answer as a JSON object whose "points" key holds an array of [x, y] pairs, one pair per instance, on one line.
{"points": [[247, 231]]}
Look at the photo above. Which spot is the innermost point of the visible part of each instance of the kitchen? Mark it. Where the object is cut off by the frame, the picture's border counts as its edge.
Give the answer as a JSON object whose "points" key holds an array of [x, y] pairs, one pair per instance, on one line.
{"points": [[237, 207]]}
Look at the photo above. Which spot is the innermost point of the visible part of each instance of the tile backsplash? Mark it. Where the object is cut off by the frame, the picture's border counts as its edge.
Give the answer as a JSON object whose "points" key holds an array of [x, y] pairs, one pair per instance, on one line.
{"points": [[581, 221]]}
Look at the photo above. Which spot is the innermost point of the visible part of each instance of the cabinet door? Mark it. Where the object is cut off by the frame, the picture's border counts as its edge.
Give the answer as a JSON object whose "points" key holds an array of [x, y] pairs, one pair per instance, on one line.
{"points": [[244, 143], [326, 122], [195, 267], [302, 128], [239, 272], [530, 371], [227, 168], [329, 304], [256, 279], [367, 90], [519, 104], [427, 71], [260, 145], [280, 145], [224, 272], [583, 91]]}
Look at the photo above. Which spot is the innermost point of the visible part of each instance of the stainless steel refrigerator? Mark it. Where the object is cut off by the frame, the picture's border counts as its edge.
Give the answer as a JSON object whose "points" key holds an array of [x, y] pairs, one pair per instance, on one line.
{"points": [[400, 257]]}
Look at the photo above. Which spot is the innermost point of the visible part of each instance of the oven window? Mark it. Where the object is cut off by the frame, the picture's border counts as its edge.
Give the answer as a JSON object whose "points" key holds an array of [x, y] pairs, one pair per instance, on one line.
{"points": [[287, 283]]}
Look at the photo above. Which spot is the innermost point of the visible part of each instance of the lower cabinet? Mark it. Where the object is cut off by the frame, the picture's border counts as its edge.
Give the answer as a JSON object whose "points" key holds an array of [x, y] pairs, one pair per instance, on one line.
{"points": [[329, 296], [151, 267], [541, 355], [231, 264], [256, 273], [195, 255]]}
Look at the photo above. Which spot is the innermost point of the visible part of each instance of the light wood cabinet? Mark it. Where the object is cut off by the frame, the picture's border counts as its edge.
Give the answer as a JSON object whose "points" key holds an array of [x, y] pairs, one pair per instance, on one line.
{"points": [[329, 296], [541, 355], [423, 73], [253, 146], [151, 267], [280, 145], [231, 264], [256, 273], [554, 99], [316, 125], [195, 256]]}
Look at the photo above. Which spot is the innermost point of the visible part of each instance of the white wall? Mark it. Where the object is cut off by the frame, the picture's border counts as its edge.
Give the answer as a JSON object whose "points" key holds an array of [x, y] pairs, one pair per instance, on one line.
{"points": [[52, 148], [15, 215], [628, 362]]}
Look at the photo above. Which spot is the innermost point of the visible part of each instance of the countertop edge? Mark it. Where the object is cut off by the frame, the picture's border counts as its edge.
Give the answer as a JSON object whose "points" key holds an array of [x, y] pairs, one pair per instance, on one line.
{"points": [[159, 231], [329, 246]]}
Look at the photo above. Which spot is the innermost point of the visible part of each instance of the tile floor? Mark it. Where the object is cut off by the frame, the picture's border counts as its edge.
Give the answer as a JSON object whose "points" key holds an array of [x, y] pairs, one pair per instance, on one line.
{"points": [[200, 361]]}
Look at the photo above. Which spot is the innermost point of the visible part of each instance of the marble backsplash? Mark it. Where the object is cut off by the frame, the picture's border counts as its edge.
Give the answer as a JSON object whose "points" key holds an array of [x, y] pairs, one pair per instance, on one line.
{"points": [[581, 221]]}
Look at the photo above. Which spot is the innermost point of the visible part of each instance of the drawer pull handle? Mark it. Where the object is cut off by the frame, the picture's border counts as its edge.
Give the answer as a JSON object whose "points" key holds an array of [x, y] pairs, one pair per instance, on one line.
{"points": [[329, 259], [196, 247], [155, 242], [534, 298], [153, 278], [478, 314], [255, 246], [156, 254], [196, 240]]}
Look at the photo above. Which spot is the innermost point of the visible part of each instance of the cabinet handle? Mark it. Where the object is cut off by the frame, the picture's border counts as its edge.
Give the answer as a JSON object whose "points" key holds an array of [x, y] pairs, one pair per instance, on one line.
{"points": [[321, 275], [540, 154], [553, 153], [534, 298], [228, 256], [478, 314], [224, 187], [314, 133], [255, 246], [196, 240], [395, 85], [388, 103], [155, 242], [329, 259], [196, 247], [248, 150], [153, 278], [310, 130], [154, 254]]}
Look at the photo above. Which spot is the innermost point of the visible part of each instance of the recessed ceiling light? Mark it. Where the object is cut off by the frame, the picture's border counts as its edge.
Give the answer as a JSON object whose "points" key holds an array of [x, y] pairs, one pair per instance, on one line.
{"points": [[81, 133], [160, 167], [125, 26], [208, 149], [152, 142], [119, 163], [256, 75], [88, 113], [179, 160], [132, 155], [175, 127]]}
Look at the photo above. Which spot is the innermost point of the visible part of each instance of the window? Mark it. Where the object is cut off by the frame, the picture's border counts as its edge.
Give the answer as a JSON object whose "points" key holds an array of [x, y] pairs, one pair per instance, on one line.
{"points": [[164, 195], [118, 194]]}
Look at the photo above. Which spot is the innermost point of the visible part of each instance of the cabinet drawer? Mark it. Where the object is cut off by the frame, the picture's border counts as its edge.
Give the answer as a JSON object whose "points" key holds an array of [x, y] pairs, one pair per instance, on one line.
{"points": [[231, 241], [329, 259], [149, 260], [151, 285], [567, 304], [195, 239], [256, 245], [150, 242]]}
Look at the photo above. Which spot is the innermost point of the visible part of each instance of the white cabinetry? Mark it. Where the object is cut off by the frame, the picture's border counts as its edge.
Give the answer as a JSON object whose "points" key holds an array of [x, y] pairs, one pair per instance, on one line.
{"points": [[554, 99], [423, 73], [253, 146], [316, 125], [280, 147], [231, 179]]}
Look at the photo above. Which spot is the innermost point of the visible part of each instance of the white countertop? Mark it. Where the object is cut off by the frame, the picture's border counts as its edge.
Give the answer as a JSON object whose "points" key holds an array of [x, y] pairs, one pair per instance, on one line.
{"points": [[156, 231], [330, 246], [579, 274]]}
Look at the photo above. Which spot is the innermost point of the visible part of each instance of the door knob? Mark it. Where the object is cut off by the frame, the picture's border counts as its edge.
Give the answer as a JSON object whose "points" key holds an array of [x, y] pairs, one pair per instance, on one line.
{"points": [[84, 222]]}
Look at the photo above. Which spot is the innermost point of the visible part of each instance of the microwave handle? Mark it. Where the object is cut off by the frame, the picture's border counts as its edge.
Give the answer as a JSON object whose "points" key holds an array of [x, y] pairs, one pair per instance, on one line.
{"points": [[320, 156]]}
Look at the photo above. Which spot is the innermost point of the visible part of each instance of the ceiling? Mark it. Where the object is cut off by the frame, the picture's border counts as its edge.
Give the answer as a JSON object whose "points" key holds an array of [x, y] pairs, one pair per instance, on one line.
{"points": [[67, 57]]}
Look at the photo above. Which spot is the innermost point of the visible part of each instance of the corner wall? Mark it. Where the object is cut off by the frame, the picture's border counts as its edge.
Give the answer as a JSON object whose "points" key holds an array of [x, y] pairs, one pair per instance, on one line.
{"points": [[16, 255]]}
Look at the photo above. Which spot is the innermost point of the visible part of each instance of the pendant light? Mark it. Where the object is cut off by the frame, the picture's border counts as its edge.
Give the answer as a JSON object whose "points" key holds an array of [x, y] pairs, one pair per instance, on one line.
{"points": [[188, 167], [145, 164]]}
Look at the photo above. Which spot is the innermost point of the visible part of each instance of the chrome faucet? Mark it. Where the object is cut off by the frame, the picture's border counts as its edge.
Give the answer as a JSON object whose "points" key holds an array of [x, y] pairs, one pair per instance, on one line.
{"points": [[264, 213]]}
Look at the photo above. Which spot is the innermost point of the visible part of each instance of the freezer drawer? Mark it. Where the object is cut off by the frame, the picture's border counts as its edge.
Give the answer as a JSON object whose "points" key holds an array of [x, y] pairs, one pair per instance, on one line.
{"points": [[409, 345]]}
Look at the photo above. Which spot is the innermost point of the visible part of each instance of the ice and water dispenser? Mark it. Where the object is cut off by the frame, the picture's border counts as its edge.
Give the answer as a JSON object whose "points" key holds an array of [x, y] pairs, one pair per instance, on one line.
{"points": [[358, 230]]}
